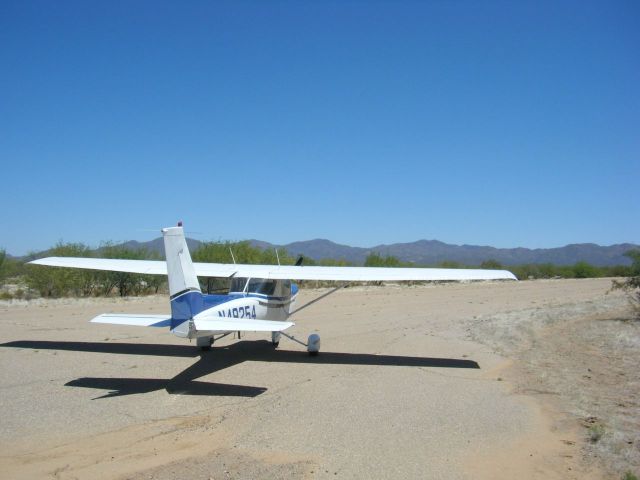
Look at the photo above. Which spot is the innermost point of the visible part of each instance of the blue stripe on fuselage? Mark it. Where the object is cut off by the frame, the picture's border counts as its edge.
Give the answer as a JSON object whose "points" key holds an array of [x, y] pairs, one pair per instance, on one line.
{"points": [[189, 304], [162, 323]]}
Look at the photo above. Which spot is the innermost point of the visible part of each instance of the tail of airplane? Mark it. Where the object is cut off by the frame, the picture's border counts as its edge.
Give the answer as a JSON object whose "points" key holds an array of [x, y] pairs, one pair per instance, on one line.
{"points": [[184, 287], [182, 275]]}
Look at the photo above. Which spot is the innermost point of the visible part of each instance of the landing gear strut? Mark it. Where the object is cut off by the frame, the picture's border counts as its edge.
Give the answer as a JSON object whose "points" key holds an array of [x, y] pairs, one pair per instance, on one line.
{"points": [[313, 343], [275, 339]]}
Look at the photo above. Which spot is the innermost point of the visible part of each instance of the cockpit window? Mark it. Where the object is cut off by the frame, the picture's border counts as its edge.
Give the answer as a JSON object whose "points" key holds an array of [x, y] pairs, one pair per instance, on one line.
{"points": [[260, 285], [237, 284]]}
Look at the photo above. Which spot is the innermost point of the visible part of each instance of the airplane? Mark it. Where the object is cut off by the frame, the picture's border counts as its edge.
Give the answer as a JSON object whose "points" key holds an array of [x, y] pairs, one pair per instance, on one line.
{"points": [[261, 298]]}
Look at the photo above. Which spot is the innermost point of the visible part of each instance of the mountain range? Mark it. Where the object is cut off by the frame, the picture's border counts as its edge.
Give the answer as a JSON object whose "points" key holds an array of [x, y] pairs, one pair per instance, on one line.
{"points": [[433, 252]]}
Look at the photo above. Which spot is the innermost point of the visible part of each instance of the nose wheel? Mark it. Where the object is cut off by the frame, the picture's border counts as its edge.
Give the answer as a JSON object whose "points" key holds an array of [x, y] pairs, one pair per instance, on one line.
{"points": [[313, 342]]}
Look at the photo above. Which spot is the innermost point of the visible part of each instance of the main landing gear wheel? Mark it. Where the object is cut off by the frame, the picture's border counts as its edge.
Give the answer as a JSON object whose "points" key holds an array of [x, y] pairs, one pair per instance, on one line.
{"points": [[204, 343], [313, 344], [275, 339]]}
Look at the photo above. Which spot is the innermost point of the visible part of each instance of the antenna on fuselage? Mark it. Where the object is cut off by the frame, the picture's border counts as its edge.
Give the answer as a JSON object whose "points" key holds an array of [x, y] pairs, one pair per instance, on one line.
{"points": [[278, 257], [232, 257]]}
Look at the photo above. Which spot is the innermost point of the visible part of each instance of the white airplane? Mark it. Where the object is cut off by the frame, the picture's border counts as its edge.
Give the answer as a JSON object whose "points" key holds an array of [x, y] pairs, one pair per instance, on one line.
{"points": [[261, 298]]}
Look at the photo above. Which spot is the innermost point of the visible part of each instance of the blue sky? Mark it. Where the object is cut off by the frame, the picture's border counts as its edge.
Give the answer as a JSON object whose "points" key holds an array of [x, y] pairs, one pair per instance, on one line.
{"points": [[494, 122]]}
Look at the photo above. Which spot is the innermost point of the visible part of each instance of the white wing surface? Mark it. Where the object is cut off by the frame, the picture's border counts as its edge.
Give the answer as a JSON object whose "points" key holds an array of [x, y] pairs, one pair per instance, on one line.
{"points": [[349, 274], [290, 272], [134, 319], [151, 267]]}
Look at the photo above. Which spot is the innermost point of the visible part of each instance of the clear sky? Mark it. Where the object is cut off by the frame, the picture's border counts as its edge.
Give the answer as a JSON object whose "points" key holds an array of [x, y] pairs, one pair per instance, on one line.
{"points": [[482, 122]]}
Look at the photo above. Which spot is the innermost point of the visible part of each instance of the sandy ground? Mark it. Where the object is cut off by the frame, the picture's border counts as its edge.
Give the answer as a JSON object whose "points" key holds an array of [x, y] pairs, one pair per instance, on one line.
{"points": [[456, 381]]}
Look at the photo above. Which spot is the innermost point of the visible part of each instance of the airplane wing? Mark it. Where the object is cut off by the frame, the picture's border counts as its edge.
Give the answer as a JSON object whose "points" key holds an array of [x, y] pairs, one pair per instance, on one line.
{"points": [[151, 267], [284, 272], [134, 319]]}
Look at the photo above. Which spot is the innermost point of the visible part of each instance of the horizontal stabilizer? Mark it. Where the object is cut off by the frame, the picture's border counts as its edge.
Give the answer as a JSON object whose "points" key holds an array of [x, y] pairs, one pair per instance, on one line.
{"points": [[227, 324], [133, 319]]}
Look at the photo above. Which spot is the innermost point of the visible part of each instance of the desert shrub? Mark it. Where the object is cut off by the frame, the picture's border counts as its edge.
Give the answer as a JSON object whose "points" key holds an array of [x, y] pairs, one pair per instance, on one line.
{"points": [[450, 264], [584, 270], [617, 271], [331, 262], [491, 264], [377, 260], [126, 284], [243, 252], [58, 282], [596, 431], [631, 285]]}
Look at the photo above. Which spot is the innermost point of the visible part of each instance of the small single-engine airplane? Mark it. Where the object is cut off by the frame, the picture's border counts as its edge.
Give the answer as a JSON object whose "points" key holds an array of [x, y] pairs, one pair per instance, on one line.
{"points": [[261, 298]]}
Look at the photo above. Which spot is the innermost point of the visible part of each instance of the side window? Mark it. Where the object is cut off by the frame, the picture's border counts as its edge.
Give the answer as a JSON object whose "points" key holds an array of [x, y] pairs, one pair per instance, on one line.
{"points": [[237, 284], [260, 285]]}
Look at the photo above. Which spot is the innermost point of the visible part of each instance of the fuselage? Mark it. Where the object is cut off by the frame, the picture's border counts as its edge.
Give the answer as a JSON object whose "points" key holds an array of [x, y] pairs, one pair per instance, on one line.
{"points": [[254, 298]]}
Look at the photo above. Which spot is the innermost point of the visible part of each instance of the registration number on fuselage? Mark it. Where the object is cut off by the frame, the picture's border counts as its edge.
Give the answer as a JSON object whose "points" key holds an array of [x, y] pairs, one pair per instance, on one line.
{"points": [[239, 312]]}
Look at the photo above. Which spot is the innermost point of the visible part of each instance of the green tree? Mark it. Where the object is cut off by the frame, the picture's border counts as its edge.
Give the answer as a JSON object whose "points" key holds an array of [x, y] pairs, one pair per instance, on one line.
{"points": [[331, 262], [450, 264], [547, 270], [213, 252], [58, 282], [584, 270], [3, 256], [526, 271], [376, 260], [491, 264], [618, 271], [125, 283]]}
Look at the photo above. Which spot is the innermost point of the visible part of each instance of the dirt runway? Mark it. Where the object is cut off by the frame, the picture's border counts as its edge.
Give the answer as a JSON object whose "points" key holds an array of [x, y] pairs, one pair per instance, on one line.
{"points": [[454, 381]]}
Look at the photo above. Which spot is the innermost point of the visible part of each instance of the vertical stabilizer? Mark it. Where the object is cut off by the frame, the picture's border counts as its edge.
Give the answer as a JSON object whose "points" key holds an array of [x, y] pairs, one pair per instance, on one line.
{"points": [[182, 275]]}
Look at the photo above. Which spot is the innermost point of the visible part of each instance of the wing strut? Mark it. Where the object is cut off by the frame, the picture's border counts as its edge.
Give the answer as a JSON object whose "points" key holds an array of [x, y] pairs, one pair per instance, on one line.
{"points": [[333, 290]]}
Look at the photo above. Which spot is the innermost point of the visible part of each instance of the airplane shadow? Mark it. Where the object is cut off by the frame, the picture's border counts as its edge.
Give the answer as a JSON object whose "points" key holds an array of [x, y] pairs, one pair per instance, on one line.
{"points": [[217, 359]]}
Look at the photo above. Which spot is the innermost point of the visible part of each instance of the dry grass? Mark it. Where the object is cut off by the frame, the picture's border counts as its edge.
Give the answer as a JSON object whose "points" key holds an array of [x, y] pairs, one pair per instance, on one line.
{"points": [[585, 355]]}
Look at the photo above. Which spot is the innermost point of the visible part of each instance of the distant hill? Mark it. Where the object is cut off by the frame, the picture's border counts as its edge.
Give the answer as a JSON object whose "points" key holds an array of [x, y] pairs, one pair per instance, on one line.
{"points": [[157, 245], [432, 252]]}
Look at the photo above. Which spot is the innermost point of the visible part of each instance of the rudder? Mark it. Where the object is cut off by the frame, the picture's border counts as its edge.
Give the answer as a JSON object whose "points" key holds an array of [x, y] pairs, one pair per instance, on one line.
{"points": [[182, 275], [184, 287]]}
